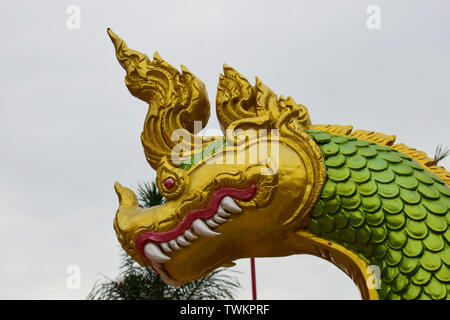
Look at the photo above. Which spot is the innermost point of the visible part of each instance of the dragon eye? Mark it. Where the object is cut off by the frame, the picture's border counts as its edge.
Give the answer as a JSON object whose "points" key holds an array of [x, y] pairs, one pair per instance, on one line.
{"points": [[169, 183]]}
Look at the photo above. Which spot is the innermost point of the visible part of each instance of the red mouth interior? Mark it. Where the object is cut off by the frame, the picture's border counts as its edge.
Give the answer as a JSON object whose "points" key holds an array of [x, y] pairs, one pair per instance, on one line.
{"points": [[208, 212]]}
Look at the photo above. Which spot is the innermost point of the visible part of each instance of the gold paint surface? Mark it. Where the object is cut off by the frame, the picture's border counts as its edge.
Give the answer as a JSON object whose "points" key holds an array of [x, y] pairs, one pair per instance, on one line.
{"points": [[272, 223]]}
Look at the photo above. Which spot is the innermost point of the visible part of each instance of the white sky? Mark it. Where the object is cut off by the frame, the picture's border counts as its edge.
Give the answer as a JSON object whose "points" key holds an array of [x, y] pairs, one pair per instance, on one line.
{"points": [[69, 127]]}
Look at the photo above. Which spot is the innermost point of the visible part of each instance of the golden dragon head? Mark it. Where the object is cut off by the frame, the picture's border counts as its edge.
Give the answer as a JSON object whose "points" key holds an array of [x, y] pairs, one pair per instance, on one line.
{"points": [[227, 197]]}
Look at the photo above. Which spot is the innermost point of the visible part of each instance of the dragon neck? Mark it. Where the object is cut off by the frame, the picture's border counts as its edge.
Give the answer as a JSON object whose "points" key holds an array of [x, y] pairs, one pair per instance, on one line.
{"points": [[304, 242], [380, 212]]}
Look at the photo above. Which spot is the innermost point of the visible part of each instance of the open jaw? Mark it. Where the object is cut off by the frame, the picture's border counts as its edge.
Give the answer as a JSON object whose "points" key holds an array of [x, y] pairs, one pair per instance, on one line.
{"points": [[158, 246]]}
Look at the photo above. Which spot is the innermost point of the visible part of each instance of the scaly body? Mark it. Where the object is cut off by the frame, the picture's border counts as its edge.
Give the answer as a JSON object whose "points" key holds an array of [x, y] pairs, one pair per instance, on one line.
{"points": [[352, 198], [388, 209]]}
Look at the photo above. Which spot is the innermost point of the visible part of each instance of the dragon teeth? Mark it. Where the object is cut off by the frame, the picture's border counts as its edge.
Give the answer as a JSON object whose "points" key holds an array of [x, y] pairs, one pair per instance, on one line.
{"points": [[211, 223], [182, 241], [221, 211], [219, 219], [229, 204], [173, 243], [153, 253], [165, 247], [188, 234], [202, 229]]}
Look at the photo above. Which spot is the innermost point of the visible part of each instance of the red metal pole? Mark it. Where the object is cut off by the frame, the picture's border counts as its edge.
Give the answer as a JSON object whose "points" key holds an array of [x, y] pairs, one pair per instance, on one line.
{"points": [[252, 264]]}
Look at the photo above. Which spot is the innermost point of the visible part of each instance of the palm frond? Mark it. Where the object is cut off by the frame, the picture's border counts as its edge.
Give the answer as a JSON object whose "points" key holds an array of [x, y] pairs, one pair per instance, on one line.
{"points": [[142, 283], [149, 195], [441, 153]]}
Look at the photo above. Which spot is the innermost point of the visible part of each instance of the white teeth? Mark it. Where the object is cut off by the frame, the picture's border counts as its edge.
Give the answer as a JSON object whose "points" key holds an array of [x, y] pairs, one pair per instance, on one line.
{"points": [[190, 235], [229, 204], [153, 253], [211, 223], [221, 211], [218, 219], [202, 229], [166, 247], [182, 241], [174, 244]]}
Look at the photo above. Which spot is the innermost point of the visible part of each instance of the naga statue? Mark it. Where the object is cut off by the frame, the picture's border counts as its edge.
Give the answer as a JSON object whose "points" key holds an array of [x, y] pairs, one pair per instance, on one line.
{"points": [[377, 210]]}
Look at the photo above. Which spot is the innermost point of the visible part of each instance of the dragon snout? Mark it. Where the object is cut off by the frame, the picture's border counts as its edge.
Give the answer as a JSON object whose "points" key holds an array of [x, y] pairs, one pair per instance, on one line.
{"points": [[160, 247], [126, 195], [156, 236]]}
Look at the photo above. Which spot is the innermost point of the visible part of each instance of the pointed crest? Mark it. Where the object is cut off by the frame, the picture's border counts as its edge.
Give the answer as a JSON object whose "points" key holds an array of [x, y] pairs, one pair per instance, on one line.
{"points": [[175, 100]]}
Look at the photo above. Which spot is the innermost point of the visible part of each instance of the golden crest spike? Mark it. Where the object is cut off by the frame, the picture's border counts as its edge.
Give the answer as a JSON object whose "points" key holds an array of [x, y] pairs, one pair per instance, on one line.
{"points": [[129, 59], [175, 100], [135, 64], [234, 97], [228, 71], [184, 69], [114, 38], [156, 56]]}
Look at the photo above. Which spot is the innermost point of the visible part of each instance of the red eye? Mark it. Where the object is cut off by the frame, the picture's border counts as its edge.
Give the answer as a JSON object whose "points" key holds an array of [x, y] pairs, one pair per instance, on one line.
{"points": [[169, 183]]}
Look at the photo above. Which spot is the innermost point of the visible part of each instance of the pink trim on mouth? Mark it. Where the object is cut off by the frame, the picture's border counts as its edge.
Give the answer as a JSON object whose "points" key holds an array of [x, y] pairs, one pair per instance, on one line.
{"points": [[208, 212]]}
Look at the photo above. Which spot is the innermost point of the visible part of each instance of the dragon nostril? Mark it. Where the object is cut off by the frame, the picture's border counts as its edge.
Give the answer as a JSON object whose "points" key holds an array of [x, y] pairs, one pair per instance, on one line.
{"points": [[169, 183]]}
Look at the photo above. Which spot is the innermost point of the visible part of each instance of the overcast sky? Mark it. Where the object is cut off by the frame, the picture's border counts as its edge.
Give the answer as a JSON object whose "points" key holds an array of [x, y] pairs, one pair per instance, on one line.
{"points": [[69, 127]]}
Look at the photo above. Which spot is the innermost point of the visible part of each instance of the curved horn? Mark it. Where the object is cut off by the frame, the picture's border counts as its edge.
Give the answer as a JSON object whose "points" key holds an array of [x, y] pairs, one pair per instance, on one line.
{"points": [[175, 101]]}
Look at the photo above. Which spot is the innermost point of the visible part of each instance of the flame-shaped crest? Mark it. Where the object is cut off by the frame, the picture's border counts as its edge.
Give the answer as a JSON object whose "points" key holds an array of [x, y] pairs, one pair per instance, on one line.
{"points": [[241, 105], [175, 101]]}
